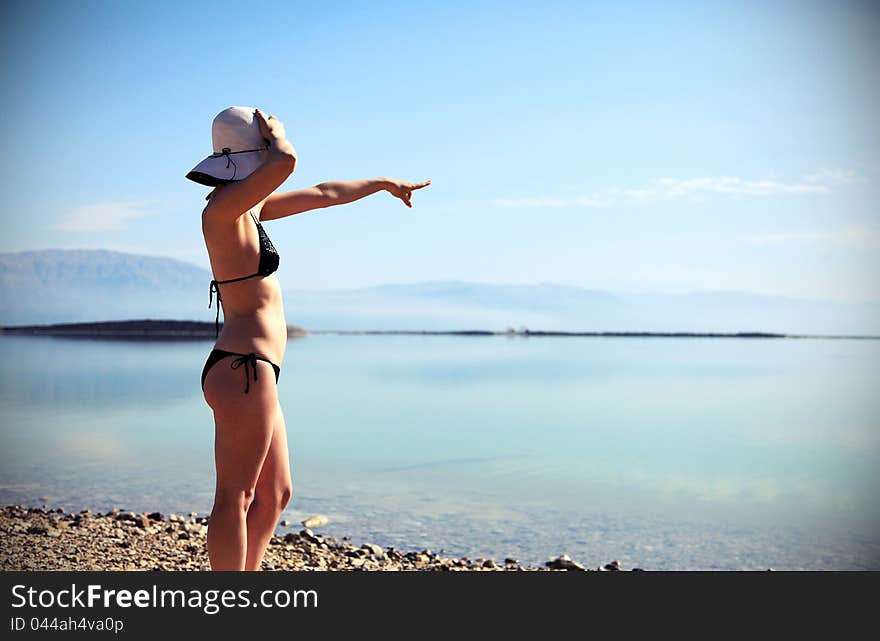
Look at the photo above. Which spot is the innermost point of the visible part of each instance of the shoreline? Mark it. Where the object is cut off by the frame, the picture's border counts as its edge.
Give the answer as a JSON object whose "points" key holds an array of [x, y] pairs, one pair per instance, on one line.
{"points": [[52, 539], [177, 329]]}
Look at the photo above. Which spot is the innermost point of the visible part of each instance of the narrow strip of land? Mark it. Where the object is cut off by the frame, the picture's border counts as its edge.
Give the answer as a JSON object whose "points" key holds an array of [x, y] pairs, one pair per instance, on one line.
{"points": [[176, 329]]}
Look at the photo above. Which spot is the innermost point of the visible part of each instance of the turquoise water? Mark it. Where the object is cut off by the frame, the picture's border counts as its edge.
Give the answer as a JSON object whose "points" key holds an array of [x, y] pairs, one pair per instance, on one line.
{"points": [[662, 453]]}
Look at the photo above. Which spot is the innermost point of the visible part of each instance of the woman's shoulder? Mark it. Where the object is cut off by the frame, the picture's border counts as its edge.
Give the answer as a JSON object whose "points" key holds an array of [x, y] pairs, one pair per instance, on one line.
{"points": [[256, 211]]}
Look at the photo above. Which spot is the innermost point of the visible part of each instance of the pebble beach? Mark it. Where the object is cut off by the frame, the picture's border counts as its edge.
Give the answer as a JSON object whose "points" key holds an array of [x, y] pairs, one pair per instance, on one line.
{"points": [[41, 538]]}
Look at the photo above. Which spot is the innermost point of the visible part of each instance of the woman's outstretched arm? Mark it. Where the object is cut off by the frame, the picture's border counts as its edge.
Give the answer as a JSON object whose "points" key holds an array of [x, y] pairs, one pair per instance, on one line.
{"points": [[337, 192]]}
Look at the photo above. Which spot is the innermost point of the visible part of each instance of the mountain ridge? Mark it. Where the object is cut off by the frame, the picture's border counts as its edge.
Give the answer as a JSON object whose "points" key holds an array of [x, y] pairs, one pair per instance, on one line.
{"points": [[87, 285]]}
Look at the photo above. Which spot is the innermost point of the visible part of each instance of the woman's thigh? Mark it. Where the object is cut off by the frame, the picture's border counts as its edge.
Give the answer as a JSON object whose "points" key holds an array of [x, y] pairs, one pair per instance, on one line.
{"points": [[244, 423]]}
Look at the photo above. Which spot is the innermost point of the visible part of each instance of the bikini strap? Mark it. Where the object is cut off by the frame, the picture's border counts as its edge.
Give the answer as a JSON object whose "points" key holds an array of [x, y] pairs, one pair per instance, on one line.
{"points": [[215, 288], [244, 360]]}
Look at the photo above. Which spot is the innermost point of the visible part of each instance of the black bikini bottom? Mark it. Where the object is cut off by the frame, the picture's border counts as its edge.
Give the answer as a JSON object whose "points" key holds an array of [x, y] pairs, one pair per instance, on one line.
{"points": [[244, 359]]}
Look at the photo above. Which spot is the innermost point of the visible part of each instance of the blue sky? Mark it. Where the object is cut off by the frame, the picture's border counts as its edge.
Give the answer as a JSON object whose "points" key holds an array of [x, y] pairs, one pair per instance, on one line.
{"points": [[637, 146]]}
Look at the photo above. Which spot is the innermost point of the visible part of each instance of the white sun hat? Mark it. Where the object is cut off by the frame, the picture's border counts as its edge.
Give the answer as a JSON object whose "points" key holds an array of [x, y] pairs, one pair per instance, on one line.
{"points": [[239, 148]]}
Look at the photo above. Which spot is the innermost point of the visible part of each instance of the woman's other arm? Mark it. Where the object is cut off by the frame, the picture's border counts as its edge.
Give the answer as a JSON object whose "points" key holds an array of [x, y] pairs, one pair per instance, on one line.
{"points": [[337, 192]]}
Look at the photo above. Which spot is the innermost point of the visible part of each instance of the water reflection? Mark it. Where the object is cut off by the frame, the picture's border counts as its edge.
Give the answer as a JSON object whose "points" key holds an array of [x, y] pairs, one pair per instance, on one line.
{"points": [[97, 374]]}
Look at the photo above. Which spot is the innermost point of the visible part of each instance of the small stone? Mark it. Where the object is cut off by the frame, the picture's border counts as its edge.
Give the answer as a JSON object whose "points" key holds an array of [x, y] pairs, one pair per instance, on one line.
{"points": [[510, 561], [564, 562], [183, 535], [155, 516], [315, 521], [373, 549], [285, 523], [309, 536]]}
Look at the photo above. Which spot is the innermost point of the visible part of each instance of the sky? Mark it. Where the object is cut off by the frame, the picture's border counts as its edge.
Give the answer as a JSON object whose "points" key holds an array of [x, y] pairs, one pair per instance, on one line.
{"points": [[622, 146]]}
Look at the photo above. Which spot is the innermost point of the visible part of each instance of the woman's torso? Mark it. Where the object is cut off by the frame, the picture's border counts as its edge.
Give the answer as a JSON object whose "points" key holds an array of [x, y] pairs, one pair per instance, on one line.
{"points": [[253, 311]]}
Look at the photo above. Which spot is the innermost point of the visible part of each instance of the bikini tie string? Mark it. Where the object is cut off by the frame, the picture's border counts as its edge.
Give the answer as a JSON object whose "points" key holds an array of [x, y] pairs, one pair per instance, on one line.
{"points": [[244, 360], [215, 288]]}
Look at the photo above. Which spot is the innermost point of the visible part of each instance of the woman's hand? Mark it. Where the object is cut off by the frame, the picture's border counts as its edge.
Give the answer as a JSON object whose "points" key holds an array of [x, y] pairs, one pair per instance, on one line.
{"points": [[273, 132], [404, 190], [271, 128]]}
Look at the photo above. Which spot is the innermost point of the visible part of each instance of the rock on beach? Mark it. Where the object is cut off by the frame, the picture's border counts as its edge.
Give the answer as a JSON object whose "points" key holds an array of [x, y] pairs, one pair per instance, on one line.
{"points": [[315, 521], [37, 538]]}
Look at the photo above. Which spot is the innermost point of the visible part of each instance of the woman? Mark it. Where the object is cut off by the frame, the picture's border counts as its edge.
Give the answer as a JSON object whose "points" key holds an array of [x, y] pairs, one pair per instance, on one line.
{"points": [[253, 483]]}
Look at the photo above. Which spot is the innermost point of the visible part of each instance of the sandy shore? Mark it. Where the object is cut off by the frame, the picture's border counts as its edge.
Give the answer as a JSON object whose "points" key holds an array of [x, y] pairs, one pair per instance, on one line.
{"points": [[41, 538]]}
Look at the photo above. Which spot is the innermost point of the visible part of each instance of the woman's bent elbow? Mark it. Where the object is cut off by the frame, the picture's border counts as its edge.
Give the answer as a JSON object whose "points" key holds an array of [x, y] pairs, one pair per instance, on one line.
{"points": [[288, 162], [285, 154]]}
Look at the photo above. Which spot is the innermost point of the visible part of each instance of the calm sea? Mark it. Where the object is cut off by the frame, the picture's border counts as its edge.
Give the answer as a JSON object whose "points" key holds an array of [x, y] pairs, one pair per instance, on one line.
{"points": [[662, 453]]}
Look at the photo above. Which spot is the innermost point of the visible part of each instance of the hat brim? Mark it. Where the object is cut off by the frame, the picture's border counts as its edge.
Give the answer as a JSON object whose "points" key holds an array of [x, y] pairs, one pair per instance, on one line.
{"points": [[213, 170]]}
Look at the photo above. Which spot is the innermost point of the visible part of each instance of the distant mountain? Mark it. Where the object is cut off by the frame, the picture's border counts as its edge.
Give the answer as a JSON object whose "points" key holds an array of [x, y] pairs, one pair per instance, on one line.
{"points": [[467, 305], [77, 285], [57, 286]]}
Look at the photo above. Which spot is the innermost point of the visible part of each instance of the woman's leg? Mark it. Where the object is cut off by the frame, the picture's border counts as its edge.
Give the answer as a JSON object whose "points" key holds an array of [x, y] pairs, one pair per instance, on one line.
{"points": [[244, 424], [273, 492]]}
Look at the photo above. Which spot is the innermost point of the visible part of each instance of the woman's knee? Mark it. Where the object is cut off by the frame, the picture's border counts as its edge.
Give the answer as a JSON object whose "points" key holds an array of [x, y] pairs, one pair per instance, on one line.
{"points": [[234, 498], [274, 499], [284, 495], [281, 496]]}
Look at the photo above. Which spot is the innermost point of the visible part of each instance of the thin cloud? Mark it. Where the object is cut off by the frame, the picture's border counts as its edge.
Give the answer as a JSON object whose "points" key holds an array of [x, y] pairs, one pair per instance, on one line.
{"points": [[852, 237], [549, 202], [831, 177], [674, 188], [660, 189], [103, 217]]}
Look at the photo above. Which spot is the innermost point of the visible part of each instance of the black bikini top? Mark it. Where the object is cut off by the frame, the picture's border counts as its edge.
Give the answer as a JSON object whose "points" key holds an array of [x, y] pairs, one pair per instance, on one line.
{"points": [[269, 260]]}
